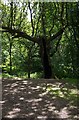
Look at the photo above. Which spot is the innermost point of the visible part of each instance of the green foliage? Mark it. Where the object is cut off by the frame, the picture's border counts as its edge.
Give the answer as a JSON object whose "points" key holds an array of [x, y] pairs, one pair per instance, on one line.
{"points": [[71, 81], [25, 54]]}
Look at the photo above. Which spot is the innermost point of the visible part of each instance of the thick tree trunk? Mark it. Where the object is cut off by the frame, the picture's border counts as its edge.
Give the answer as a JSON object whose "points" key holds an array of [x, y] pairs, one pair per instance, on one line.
{"points": [[45, 60], [46, 67]]}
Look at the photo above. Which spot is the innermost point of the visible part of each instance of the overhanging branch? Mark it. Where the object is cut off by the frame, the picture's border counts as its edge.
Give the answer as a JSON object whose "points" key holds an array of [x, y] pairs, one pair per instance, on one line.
{"points": [[17, 33]]}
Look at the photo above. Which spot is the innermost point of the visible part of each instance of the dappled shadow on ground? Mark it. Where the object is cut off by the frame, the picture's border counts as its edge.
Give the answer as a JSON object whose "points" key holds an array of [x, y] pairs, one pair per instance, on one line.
{"points": [[39, 99]]}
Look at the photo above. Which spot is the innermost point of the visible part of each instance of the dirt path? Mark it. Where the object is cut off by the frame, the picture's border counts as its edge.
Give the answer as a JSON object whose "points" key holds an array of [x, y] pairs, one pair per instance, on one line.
{"points": [[31, 99]]}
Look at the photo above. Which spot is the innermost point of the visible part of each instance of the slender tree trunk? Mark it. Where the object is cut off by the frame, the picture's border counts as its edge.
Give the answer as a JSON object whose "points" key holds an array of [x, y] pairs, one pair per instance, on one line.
{"points": [[28, 73], [29, 69], [10, 53], [29, 62]]}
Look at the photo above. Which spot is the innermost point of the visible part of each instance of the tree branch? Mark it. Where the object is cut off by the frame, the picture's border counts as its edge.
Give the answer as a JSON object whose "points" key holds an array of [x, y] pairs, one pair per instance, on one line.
{"points": [[62, 13], [17, 33], [57, 44], [37, 25], [43, 18], [31, 18], [11, 14], [60, 32]]}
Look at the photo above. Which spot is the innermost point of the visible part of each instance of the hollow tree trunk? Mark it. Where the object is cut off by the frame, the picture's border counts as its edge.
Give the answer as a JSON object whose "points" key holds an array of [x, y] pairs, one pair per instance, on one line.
{"points": [[45, 60]]}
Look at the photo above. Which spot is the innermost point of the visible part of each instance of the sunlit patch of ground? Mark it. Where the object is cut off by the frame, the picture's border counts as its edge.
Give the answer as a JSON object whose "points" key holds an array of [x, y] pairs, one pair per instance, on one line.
{"points": [[39, 99]]}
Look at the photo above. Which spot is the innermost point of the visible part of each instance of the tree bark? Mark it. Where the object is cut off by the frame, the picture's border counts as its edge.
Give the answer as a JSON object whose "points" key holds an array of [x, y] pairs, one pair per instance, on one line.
{"points": [[29, 63], [10, 53], [45, 60]]}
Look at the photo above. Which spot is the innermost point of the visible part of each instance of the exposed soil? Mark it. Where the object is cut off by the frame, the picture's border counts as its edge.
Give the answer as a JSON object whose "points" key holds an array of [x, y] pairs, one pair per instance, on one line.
{"points": [[39, 99]]}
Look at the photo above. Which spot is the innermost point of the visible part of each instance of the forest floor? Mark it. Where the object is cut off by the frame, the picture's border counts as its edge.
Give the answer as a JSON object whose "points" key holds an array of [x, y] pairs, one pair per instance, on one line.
{"points": [[39, 99]]}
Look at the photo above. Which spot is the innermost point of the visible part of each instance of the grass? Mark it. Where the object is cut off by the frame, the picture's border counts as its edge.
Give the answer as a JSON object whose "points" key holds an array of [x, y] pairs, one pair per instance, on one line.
{"points": [[71, 81], [68, 80], [21, 75]]}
